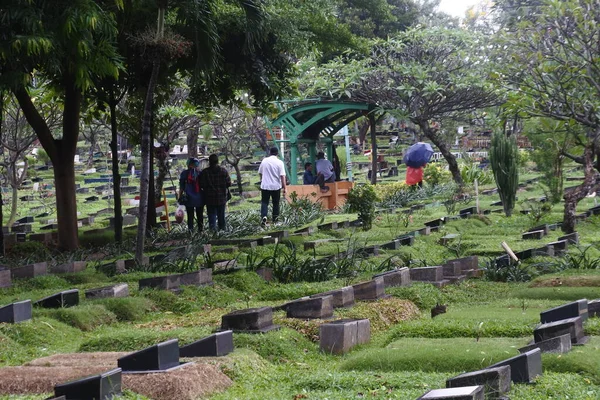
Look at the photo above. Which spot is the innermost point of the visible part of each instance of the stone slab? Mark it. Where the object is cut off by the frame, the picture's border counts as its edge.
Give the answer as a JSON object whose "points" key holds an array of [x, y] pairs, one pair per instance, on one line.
{"points": [[574, 309], [314, 307], [572, 238], [558, 344], [68, 268], [396, 277], [525, 367], [217, 345], [533, 235], [101, 387], [118, 290], [343, 297], [460, 393], [594, 308], [339, 337], [571, 326], [168, 282], [67, 298], [197, 278], [370, 290], [160, 357], [496, 381], [251, 320], [435, 223], [427, 274], [5, 277], [16, 312]]}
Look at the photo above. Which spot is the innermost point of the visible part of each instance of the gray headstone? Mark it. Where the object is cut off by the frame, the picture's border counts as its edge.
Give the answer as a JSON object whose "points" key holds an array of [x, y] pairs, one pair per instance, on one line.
{"points": [[5, 278], [217, 345], [571, 238], [118, 290], [315, 307], [427, 274], [339, 337], [343, 297], [571, 326], [67, 298], [460, 393], [496, 381], [102, 386], [168, 282], [197, 278], [251, 320], [533, 235], [68, 268], [574, 309], [396, 277], [370, 290], [16, 312], [160, 357], [594, 308], [558, 344], [524, 367]]}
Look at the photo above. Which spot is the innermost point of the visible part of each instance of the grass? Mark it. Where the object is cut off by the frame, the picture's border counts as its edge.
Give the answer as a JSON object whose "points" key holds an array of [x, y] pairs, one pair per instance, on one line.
{"points": [[85, 317], [558, 293]]}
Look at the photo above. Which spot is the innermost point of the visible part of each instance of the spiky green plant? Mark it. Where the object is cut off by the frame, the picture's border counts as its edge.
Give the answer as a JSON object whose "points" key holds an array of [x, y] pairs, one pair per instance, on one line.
{"points": [[504, 159]]}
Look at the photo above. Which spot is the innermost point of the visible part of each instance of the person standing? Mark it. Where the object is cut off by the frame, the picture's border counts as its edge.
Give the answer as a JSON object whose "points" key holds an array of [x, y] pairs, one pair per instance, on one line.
{"points": [[272, 181], [215, 181], [325, 173], [190, 194]]}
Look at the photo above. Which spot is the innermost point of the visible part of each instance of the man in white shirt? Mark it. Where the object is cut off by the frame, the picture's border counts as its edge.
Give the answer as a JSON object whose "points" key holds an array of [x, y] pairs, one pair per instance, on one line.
{"points": [[325, 172], [272, 180]]}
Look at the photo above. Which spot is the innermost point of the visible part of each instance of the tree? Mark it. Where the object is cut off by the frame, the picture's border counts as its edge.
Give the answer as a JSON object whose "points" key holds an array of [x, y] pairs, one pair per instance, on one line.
{"points": [[504, 159], [550, 60], [68, 43], [426, 75]]}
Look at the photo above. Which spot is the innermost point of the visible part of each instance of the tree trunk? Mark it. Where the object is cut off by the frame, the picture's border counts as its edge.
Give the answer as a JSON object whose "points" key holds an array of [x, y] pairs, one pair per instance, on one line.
{"points": [[238, 174], [441, 145], [192, 142], [13, 205], [163, 170], [2, 252], [114, 148], [573, 196], [66, 202], [374, 163], [153, 197], [145, 172]]}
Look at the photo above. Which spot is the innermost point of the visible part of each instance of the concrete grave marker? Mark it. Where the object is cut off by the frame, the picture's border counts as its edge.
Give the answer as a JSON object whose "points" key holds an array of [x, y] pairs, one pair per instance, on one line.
{"points": [[436, 223], [118, 290], [558, 344], [496, 381], [533, 235], [101, 387], [343, 297], [594, 308], [67, 298], [315, 307], [16, 312], [572, 238], [168, 282], [524, 367], [395, 277], [571, 326], [574, 309], [5, 277], [427, 274], [370, 290], [68, 268], [251, 320], [460, 393], [160, 357], [339, 337], [217, 345], [201, 277]]}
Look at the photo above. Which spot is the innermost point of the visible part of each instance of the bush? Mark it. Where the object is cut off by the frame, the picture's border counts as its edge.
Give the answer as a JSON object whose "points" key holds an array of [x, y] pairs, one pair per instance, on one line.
{"points": [[28, 252], [86, 317], [434, 174], [361, 199]]}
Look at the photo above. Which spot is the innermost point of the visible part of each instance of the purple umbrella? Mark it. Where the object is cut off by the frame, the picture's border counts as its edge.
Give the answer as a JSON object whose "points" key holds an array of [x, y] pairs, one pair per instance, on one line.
{"points": [[418, 155]]}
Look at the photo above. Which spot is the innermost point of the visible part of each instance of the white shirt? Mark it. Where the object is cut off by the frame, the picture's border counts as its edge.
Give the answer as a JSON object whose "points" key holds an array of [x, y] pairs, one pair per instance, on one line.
{"points": [[272, 169]]}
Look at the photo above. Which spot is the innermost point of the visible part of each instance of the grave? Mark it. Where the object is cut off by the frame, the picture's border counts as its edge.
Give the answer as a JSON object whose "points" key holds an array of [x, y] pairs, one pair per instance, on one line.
{"points": [[327, 227], [545, 228], [559, 247], [594, 308], [67, 298], [21, 228], [574, 309], [468, 265], [424, 231], [308, 230], [460, 393], [369, 251], [427, 274], [449, 238], [82, 190], [122, 266], [572, 238], [91, 199], [100, 387], [468, 211], [44, 237], [370, 290], [265, 273], [168, 282], [160, 357], [524, 367], [343, 297], [496, 381], [201, 277], [25, 220], [395, 277], [68, 268], [533, 235], [49, 227], [118, 290], [571, 326], [16, 312], [436, 223], [339, 337], [263, 241], [316, 307], [5, 277], [250, 320], [406, 240], [217, 345], [558, 344]]}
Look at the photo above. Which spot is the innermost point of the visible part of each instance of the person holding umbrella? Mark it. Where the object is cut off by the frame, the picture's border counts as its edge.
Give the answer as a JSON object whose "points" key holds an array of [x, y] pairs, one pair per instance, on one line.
{"points": [[415, 158]]}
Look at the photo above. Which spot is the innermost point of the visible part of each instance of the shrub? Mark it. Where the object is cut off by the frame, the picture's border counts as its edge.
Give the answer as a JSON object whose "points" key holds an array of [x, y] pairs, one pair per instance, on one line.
{"points": [[435, 174], [29, 252], [504, 161], [361, 199]]}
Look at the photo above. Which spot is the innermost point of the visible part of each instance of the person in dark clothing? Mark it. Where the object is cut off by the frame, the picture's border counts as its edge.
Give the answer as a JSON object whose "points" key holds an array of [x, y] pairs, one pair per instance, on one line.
{"points": [[308, 178], [215, 181], [189, 184], [337, 169]]}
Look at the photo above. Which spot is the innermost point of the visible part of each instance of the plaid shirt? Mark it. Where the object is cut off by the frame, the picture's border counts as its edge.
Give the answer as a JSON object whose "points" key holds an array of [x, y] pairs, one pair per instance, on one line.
{"points": [[214, 182]]}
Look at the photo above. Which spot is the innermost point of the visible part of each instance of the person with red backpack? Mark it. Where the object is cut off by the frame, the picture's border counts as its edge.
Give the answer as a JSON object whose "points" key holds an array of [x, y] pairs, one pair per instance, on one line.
{"points": [[190, 194]]}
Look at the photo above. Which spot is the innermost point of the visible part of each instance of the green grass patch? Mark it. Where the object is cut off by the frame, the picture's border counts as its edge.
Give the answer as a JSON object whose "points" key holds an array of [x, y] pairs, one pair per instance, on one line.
{"points": [[285, 345], [583, 360], [552, 385], [435, 355], [129, 308], [558, 293], [85, 317]]}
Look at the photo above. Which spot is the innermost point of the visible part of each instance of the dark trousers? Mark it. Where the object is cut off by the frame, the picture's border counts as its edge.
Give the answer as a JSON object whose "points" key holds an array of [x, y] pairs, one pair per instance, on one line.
{"points": [[320, 180], [216, 212], [199, 216], [275, 195]]}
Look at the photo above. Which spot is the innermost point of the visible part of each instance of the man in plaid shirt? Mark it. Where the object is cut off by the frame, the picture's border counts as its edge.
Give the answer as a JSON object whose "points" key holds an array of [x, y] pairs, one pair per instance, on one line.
{"points": [[214, 181]]}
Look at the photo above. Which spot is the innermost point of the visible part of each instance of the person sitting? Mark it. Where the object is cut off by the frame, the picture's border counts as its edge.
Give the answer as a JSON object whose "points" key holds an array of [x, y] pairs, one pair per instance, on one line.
{"points": [[308, 178], [325, 173]]}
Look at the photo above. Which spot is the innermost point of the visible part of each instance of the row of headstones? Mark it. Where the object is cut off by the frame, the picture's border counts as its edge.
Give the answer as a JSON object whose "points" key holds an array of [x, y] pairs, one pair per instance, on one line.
{"points": [[162, 357], [37, 269], [552, 249], [560, 328]]}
